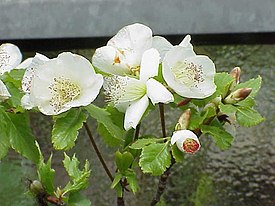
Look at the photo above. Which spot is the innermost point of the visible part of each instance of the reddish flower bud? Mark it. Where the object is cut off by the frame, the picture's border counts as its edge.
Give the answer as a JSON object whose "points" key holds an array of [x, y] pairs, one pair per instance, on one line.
{"points": [[238, 95]]}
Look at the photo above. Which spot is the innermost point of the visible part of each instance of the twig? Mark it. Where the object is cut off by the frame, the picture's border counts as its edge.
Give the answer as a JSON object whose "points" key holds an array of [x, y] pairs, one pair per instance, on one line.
{"points": [[120, 201], [98, 152], [137, 132], [162, 119]]}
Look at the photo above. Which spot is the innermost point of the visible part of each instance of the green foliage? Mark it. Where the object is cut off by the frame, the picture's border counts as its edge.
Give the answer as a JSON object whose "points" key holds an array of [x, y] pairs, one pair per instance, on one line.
{"points": [[155, 158], [177, 154], [223, 82], [79, 178], [16, 128], [132, 180], [222, 138], [255, 84], [111, 133], [77, 199], [143, 142], [46, 173], [248, 117], [65, 129], [123, 160]]}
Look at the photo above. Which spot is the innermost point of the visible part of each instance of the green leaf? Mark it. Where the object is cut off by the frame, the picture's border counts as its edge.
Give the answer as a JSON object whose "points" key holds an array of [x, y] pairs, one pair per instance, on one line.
{"points": [[18, 132], [221, 137], [79, 178], [141, 143], [247, 102], [4, 138], [255, 84], [227, 108], [108, 138], [65, 129], [123, 160], [223, 82], [177, 154], [77, 199], [14, 76], [248, 117], [132, 180], [46, 173], [116, 180], [155, 158], [112, 133], [16, 95]]}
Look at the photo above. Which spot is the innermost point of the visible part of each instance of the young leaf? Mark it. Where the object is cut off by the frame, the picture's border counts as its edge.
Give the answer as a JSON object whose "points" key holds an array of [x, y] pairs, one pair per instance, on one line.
{"points": [[79, 178], [132, 180], [255, 84], [19, 134], [16, 95], [77, 199], [227, 108], [102, 116], [141, 143], [155, 158], [223, 82], [247, 102], [116, 180], [221, 137], [65, 129], [123, 160], [45, 173], [248, 117]]}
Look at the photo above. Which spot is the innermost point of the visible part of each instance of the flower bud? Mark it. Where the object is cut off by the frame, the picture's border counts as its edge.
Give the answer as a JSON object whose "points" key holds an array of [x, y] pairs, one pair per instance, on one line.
{"points": [[186, 141], [184, 119], [236, 73], [238, 95], [36, 187]]}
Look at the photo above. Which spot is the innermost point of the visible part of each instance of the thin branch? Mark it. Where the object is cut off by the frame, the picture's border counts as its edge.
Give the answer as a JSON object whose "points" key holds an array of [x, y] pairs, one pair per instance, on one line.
{"points": [[137, 132], [120, 201], [162, 119], [98, 152]]}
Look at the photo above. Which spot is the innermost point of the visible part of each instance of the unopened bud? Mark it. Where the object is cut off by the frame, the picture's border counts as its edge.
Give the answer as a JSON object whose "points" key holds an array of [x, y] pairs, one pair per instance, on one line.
{"points": [[36, 187], [238, 95], [184, 120], [236, 73]]}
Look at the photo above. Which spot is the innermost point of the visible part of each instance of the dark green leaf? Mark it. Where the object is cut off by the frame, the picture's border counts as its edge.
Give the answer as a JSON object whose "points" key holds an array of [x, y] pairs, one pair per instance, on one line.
{"points": [[65, 129], [222, 138], [115, 133], [4, 138], [248, 117], [20, 136], [77, 199], [155, 158]]}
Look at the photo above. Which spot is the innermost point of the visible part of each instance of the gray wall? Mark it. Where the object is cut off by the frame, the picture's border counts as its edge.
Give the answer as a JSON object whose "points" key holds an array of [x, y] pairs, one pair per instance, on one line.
{"points": [[21, 19]]}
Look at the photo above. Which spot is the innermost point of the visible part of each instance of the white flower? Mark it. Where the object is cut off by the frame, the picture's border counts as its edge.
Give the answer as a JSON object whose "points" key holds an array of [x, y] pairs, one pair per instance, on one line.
{"points": [[64, 82], [163, 46], [132, 95], [186, 141], [124, 51], [188, 74], [10, 57], [4, 93], [30, 65]]}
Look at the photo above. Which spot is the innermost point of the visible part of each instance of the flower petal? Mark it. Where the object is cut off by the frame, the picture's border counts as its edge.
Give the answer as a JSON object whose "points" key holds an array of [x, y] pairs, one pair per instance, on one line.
{"points": [[134, 113], [157, 92], [4, 93], [10, 57], [108, 59], [149, 64], [136, 37], [186, 42], [162, 45], [180, 136]]}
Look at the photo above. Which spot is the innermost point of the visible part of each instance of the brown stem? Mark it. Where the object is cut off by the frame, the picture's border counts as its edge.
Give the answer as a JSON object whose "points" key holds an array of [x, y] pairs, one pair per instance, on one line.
{"points": [[162, 119], [120, 201], [137, 132], [98, 152]]}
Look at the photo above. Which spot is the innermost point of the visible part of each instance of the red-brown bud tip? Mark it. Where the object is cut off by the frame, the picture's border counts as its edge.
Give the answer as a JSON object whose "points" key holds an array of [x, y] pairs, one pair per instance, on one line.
{"points": [[236, 73]]}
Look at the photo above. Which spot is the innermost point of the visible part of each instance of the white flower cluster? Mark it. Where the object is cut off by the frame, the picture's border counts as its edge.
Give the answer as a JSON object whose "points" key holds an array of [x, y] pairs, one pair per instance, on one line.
{"points": [[131, 60]]}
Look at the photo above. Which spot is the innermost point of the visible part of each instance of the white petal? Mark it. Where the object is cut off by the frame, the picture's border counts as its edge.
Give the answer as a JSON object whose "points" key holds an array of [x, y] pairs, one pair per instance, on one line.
{"points": [[157, 92], [136, 37], [162, 45], [108, 59], [181, 135], [186, 42], [25, 64], [10, 57], [149, 64], [26, 102], [4, 93], [134, 113]]}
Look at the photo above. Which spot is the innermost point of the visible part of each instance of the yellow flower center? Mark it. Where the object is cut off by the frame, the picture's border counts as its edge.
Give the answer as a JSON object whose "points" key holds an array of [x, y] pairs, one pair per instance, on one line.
{"points": [[63, 91]]}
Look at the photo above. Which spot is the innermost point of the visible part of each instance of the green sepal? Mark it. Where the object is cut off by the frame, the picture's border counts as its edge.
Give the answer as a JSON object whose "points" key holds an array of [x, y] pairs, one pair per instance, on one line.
{"points": [[65, 129], [177, 154], [155, 158]]}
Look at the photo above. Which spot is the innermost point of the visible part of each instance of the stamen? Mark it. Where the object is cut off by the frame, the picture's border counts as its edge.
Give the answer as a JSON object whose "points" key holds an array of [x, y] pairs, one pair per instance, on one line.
{"points": [[188, 73], [4, 59], [63, 91], [190, 145]]}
